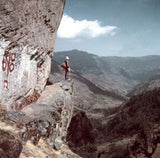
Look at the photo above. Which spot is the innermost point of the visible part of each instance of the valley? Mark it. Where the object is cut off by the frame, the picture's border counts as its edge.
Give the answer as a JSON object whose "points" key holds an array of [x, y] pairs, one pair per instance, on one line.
{"points": [[120, 98]]}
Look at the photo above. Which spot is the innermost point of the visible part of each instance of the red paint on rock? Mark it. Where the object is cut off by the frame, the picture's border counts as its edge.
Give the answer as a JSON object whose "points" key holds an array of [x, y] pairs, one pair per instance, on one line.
{"points": [[8, 65]]}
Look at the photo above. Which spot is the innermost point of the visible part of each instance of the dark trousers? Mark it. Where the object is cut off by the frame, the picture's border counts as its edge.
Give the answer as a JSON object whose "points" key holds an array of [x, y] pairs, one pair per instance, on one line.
{"points": [[67, 73]]}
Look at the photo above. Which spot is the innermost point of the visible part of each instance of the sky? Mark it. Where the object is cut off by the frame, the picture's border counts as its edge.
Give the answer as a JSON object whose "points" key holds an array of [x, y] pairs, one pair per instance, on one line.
{"points": [[111, 27]]}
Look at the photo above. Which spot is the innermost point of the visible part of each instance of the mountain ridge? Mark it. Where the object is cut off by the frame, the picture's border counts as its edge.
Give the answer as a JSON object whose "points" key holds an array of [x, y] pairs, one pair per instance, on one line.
{"points": [[119, 74], [152, 83]]}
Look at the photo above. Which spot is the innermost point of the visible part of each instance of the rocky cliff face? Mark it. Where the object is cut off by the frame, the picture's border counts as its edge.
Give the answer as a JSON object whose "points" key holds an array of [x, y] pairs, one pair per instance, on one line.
{"points": [[34, 117], [39, 127], [27, 37]]}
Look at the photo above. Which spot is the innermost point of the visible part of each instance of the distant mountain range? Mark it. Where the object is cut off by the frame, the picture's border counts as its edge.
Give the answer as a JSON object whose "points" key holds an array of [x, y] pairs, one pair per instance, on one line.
{"points": [[117, 74]]}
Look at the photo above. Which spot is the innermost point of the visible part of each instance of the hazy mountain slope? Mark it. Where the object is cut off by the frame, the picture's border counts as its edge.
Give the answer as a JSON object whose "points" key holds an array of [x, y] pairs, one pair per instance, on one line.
{"points": [[80, 61], [151, 84], [119, 74], [86, 94]]}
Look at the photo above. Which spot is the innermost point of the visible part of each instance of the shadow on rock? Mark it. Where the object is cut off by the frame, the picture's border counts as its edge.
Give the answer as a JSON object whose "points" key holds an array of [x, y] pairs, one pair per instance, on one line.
{"points": [[10, 147], [80, 137]]}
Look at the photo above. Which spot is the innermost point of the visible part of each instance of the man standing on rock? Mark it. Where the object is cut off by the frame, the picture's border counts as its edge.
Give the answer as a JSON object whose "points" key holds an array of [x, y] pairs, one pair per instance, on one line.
{"points": [[66, 66]]}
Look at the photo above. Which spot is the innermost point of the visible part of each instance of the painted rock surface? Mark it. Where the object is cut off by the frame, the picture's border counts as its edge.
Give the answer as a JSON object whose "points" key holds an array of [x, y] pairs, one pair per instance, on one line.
{"points": [[27, 37]]}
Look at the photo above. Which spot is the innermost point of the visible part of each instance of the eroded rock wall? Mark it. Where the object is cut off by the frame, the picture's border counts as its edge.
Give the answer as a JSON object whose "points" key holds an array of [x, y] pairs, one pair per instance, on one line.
{"points": [[46, 119], [27, 37]]}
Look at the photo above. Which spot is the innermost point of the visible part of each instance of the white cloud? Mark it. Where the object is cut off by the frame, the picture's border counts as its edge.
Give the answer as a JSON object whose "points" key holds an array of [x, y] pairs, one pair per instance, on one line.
{"points": [[70, 28]]}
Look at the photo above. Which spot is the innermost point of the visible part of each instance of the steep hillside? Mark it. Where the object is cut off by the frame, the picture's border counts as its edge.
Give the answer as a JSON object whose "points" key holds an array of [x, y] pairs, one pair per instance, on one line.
{"points": [[87, 95], [80, 61], [151, 84], [119, 74], [132, 130]]}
